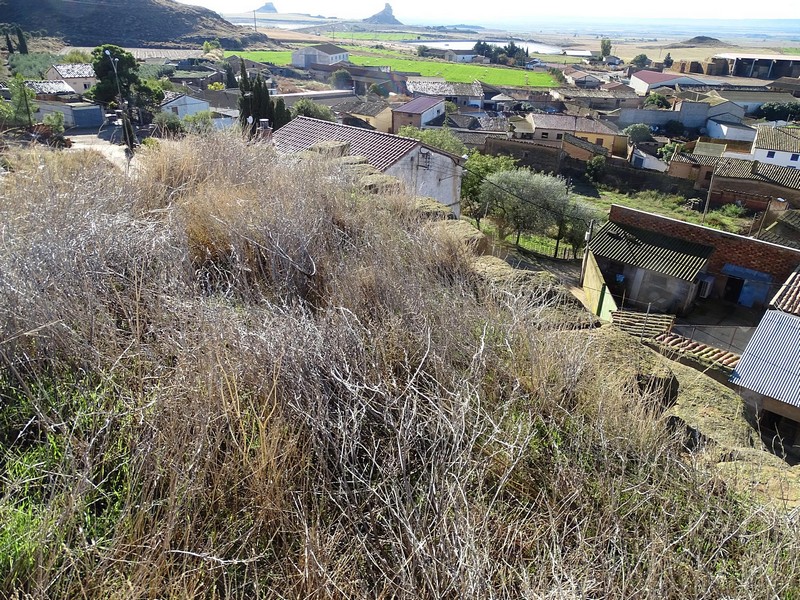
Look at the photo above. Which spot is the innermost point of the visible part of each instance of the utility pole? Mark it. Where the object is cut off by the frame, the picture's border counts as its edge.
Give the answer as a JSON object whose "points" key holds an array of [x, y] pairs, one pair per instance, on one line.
{"points": [[126, 126], [708, 197], [255, 27]]}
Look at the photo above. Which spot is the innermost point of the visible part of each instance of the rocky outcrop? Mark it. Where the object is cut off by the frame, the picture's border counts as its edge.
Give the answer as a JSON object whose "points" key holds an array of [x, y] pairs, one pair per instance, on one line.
{"points": [[385, 17]]}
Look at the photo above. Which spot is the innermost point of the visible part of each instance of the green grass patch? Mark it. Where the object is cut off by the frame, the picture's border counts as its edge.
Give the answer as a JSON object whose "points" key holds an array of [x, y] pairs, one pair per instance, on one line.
{"points": [[461, 73], [668, 205], [454, 72], [790, 50]]}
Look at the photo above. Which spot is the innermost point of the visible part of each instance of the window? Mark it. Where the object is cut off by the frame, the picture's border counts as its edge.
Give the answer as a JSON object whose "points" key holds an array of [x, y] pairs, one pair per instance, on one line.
{"points": [[559, 136], [771, 154], [174, 110], [545, 135], [708, 175], [598, 141], [794, 157]]}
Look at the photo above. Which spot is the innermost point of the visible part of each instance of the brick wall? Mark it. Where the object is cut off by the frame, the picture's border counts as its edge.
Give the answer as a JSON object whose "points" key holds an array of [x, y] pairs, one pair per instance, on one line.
{"points": [[728, 247]]}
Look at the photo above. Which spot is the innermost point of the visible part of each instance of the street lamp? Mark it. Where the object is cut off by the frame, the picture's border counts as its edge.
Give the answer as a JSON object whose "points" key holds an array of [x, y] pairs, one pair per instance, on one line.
{"points": [[125, 124]]}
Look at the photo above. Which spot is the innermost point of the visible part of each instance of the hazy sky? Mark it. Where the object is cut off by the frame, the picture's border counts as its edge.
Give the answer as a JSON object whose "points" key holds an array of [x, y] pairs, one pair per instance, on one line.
{"points": [[471, 11]]}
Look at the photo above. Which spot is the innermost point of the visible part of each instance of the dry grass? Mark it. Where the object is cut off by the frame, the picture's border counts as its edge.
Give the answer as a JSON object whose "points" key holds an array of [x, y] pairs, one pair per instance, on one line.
{"points": [[234, 376]]}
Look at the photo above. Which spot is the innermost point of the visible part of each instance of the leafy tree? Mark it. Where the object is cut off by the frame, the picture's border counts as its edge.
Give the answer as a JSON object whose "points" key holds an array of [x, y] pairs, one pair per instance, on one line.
{"points": [[126, 75], [55, 121], [22, 45], [668, 61], [378, 90], [521, 201], [148, 96], [6, 114], [605, 47], [558, 75], [668, 150], [230, 77], [673, 128], [282, 115], [638, 132], [657, 100], [341, 79], [574, 225], [77, 57], [450, 107], [309, 108], [22, 104], [640, 60], [444, 139], [168, 123], [210, 45], [779, 111], [477, 168], [596, 169], [200, 123], [9, 45], [216, 86], [32, 66]]}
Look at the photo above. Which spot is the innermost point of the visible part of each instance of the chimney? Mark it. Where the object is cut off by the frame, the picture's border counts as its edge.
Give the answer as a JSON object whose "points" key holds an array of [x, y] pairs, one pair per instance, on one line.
{"points": [[264, 131]]}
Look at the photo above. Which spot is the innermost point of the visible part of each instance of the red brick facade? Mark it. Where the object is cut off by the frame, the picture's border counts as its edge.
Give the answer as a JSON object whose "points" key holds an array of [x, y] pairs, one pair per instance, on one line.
{"points": [[739, 250]]}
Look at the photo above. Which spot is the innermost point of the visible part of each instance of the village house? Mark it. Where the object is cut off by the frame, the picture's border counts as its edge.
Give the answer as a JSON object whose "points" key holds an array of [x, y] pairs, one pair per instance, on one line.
{"points": [[425, 171], [768, 373], [785, 230], [319, 54], [183, 105], [417, 113], [373, 111], [464, 56], [752, 100], [777, 145], [550, 129], [253, 68], [460, 94], [58, 96], [597, 99], [582, 79], [643, 82], [79, 76], [686, 261]]}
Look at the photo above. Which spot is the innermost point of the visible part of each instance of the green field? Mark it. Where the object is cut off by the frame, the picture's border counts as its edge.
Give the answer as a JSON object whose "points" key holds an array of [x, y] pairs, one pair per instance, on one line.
{"points": [[790, 50], [455, 72], [386, 36]]}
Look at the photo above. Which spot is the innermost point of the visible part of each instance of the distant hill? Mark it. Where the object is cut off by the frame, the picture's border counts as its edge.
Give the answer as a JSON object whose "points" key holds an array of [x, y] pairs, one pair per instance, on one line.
{"points": [[699, 41], [269, 7], [164, 23], [385, 17]]}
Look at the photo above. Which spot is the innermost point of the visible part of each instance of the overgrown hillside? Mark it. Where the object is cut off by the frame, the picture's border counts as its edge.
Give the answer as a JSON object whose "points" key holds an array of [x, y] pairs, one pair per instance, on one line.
{"points": [[238, 376], [157, 23]]}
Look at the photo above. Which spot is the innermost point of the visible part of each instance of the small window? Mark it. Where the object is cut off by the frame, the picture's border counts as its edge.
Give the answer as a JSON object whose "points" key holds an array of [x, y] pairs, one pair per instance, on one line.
{"points": [[525, 154], [545, 135], [708, 175], [795, 157], [771, 154], [559, 136], [599, 141], [174, 110]]}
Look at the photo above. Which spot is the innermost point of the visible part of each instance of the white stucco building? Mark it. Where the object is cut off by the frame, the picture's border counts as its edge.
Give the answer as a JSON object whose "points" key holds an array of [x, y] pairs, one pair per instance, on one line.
{"points": [[425, 171], [320, 54], [183, 105], [80, 77], [777, 146]]}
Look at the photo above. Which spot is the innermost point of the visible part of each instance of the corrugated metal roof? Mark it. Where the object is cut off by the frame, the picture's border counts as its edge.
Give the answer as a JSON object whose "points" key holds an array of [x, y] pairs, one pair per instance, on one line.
{"points": [[382, 150], [650, 250], [770, 364], [788, 297], [783, 139]]}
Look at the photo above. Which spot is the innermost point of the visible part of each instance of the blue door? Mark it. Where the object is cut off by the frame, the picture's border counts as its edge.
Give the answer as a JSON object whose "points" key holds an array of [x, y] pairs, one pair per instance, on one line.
{"points": [[755, 289]]}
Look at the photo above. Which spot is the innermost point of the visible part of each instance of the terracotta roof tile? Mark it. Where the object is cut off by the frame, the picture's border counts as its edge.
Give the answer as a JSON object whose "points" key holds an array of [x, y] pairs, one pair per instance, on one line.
{"points": [[784, 139], [382, 150]]}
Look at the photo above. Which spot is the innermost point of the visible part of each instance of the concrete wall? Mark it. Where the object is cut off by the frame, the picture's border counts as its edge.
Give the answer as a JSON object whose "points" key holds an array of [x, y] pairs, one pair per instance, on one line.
{"points": [[185, 106], [691, 114], [429, 173], [721, 131], [729, 248], [783, 159], [593, 286], [75, 115]]}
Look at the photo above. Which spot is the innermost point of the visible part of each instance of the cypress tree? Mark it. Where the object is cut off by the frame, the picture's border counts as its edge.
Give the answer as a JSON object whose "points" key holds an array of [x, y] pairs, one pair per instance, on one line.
{"points": [[245, 101], [9, 45], [230, 76], [282, 114], [22, 45]]}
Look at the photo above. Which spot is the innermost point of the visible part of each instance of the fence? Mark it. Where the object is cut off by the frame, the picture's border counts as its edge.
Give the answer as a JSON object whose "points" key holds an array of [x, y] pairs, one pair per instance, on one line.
{"points": [[731, 338], [547, 247]]}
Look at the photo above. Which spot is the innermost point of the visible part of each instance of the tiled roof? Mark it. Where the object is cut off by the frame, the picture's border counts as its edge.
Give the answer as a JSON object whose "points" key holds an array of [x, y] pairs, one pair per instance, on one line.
{"points": [[329, 49], [755, 96], [788, 297], [56, 87], [382, 150], [571, 123], [709, 148], [419, 105], [595, 93], [784, 139], [170, 96], [650, 250], [444, 88], [74, 71], [477, 138], [370, 107], [695, 159], [581, 143], [770, 364], [786, 83], [734, 168]]}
